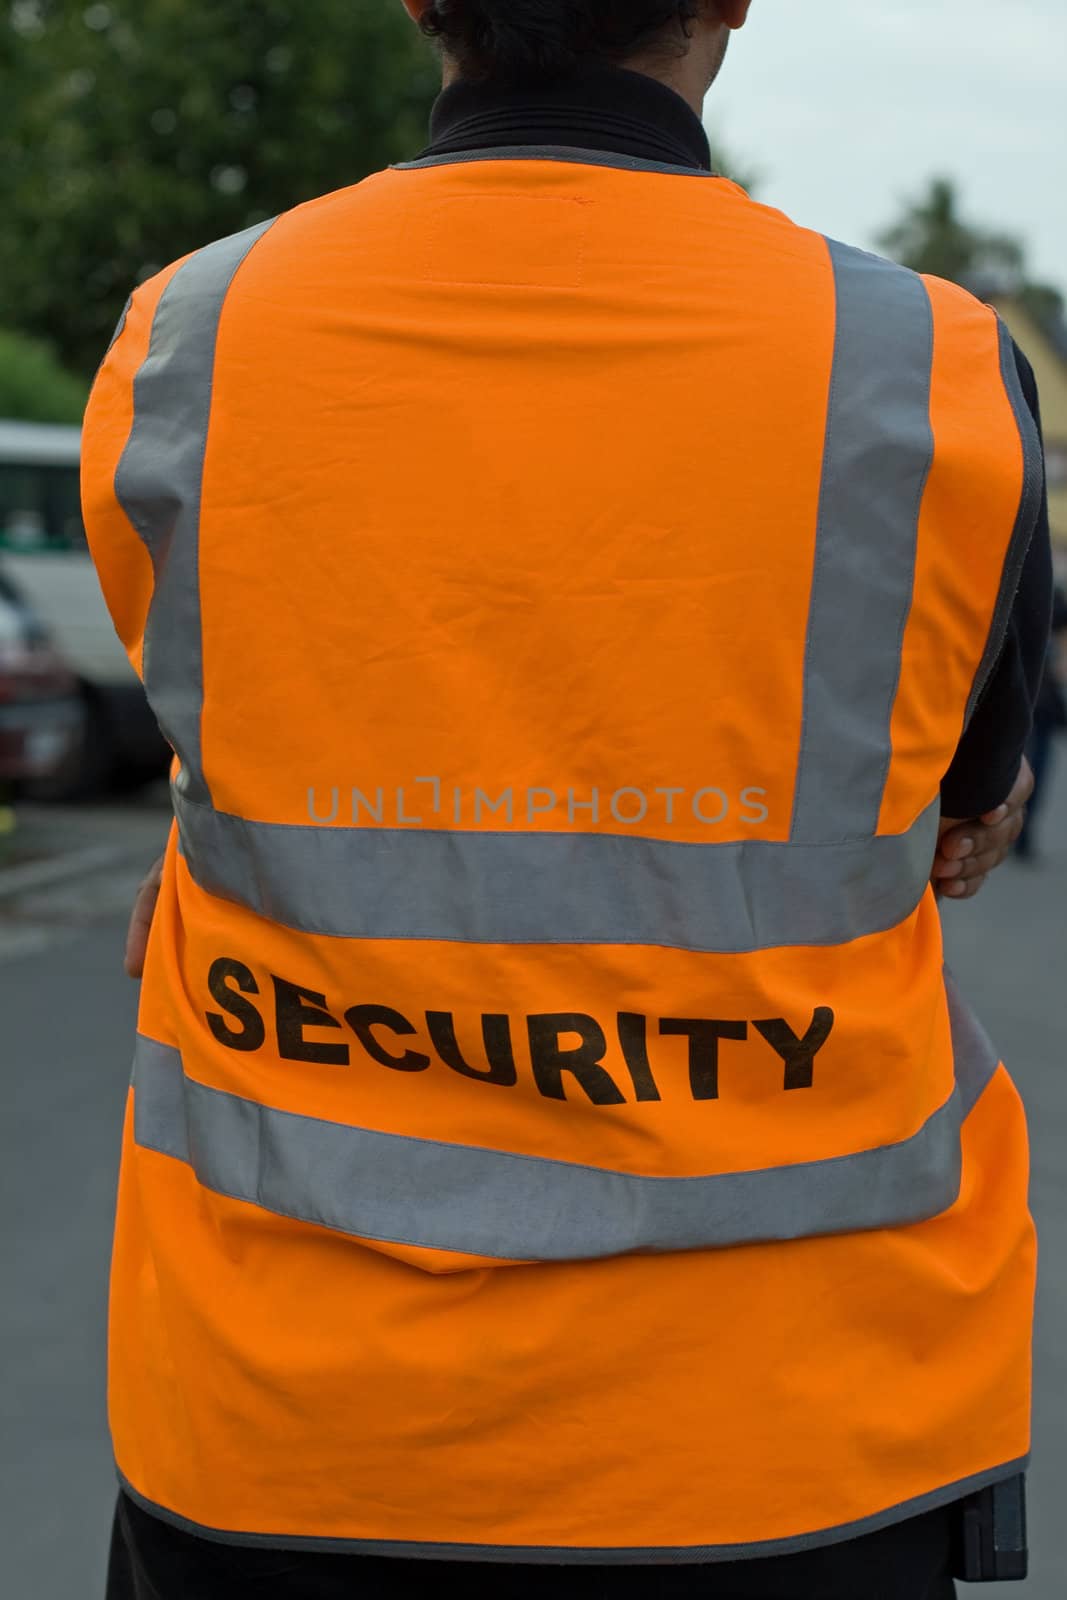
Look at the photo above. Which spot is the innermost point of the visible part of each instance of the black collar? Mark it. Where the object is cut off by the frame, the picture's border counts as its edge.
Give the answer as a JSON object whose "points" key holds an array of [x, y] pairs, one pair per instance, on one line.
{"points": [[604, 108]]}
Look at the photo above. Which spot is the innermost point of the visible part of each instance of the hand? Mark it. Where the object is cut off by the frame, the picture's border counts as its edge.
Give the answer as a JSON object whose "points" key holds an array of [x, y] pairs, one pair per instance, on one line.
{"points": [[968, 851], [141, 920]]}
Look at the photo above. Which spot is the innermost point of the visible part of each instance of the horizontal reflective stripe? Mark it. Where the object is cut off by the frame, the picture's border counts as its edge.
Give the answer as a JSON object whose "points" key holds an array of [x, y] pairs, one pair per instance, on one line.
{"points": [[475, 1201], [543, 888]]}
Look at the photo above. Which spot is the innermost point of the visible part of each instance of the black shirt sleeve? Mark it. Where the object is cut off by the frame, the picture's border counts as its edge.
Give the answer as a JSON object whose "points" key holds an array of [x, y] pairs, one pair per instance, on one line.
{"points": [[987, 759]]}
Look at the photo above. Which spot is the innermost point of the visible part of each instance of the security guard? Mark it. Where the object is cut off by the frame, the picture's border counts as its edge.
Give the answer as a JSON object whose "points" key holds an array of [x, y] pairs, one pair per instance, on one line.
{"points": [[575, 596]]}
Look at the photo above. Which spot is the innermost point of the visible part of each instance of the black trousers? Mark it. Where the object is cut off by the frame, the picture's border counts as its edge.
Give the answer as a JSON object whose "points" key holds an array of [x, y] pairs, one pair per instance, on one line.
{"points": [[151, 1560]]}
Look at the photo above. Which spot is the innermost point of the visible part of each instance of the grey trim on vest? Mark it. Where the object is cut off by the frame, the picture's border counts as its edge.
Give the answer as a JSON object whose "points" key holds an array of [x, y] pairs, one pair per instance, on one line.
{"points": [[879, 449], [557, 888], [120, 326], [597, 1555], [158, 483], [975, 1054], [475, 1201], [120, 329], [1026, 518], [551, 152]]}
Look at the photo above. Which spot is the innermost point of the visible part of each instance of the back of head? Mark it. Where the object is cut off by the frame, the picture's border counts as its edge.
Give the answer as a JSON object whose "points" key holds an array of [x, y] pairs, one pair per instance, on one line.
{"points": [[531, 40]]}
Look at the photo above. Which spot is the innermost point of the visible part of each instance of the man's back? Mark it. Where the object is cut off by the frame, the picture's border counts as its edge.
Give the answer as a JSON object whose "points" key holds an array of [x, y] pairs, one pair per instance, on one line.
{"points": [[570, 584]]}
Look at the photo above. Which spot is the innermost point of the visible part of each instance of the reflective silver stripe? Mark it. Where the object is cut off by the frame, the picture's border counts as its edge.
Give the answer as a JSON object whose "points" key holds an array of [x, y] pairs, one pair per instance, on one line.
{"points": [[539, 888], [160, 1085], [973, 1050], [879, 448], [158, 483], [492, 1203], [1026, 518]]}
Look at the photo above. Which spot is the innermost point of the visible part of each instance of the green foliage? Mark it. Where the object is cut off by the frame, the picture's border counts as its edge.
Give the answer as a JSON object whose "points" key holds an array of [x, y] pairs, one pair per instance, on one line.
{"points": [[1044, 303], [33, 385], [724, 162], [932, 236], [134, 131]]}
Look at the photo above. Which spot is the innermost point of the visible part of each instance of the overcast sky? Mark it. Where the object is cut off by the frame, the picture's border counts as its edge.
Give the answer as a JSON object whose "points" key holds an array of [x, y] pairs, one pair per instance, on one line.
{"points": [[847, 106]]}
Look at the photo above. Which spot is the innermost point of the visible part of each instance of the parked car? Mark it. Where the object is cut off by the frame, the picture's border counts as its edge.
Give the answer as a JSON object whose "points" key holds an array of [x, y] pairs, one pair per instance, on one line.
{"points": [[43, 725], [45, 560]]}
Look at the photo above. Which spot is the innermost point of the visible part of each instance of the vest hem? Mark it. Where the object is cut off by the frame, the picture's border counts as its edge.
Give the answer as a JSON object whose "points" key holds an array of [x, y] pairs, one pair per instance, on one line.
{"points": [[595, 1555]]}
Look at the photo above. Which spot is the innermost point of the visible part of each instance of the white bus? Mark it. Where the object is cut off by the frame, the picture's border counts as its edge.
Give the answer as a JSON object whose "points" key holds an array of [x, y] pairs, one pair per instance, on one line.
{"points": [[44, 556]]}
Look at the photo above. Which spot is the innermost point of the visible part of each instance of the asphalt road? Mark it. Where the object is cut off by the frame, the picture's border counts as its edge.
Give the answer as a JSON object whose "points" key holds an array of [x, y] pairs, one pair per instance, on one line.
{"points": [[68, 1018]]}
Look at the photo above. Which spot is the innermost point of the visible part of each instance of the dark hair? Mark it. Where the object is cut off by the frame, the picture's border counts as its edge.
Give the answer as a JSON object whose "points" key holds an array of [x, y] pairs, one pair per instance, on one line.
{"points": [[530, 39]]}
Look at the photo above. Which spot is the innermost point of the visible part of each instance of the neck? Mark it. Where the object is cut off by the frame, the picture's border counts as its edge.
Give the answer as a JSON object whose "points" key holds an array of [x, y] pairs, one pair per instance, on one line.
{"points": [[690, 75], [690, 93], [600, 108]]}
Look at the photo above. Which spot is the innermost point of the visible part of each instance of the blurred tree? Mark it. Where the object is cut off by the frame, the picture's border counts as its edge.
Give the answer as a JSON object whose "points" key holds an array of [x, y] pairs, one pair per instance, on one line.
{"points": [[725, 163], [33, 385], [932, 236], [134, 131], [1044, 302]]}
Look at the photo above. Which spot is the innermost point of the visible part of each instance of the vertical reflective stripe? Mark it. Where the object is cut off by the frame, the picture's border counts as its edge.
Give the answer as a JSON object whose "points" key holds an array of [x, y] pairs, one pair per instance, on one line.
{"points": [[1033, 477], [158, 484], [879, 448]]}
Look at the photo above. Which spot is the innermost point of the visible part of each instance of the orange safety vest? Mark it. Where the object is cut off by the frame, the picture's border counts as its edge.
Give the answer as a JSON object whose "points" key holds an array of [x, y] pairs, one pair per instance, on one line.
{"points": [[553, 1135]]}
